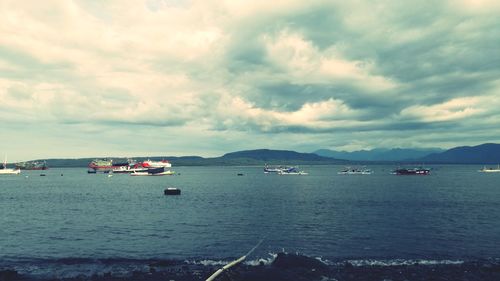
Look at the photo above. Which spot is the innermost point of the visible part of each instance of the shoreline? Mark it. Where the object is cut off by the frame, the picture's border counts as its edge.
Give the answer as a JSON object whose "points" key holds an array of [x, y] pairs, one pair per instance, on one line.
{"points": [[284, 267]]}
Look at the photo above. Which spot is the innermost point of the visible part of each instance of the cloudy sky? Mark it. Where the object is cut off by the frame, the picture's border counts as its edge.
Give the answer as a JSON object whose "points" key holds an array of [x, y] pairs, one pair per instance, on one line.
{"points": [[185, 77]]}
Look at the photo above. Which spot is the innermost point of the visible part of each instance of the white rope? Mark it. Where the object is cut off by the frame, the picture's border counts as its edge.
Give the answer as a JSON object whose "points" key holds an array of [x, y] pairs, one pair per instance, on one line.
{"points": [[233, 263]]}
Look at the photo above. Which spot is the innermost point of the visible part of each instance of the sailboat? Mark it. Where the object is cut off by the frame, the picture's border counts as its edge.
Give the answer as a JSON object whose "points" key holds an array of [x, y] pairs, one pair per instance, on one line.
{"points": [[6, 171]]}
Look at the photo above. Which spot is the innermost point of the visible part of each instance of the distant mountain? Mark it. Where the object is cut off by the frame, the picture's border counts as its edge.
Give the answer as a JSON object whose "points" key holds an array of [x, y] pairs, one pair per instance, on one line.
{"points": [[488, 153], [247, 157], [269, 155], [380, 154]]}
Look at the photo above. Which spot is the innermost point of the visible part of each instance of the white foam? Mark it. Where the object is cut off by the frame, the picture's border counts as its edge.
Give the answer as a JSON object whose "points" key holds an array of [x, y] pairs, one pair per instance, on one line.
{"points": [[399, 262], [263, 261]]}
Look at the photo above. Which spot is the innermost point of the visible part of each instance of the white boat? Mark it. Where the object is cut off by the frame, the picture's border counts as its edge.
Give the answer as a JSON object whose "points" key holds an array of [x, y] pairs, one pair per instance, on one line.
{"points": [[490, 170], [291, 171], [278, 169], [7, 171], [355, 171], [166, 173]]}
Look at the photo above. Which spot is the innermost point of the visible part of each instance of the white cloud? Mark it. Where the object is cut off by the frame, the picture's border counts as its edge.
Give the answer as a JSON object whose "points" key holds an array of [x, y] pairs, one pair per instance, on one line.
{"points": [[454, 109], [249, 68]]}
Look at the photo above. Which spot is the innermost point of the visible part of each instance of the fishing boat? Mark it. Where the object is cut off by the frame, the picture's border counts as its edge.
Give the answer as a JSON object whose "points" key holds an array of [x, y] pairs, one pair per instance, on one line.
{"points": [[291, 171], [355, 171], [490, 170], [32, 165], [8, 171], [413, 171]]}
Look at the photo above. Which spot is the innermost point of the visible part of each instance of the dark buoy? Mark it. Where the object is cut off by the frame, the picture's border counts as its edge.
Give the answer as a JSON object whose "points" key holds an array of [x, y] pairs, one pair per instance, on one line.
{"points": [[172, 191]]}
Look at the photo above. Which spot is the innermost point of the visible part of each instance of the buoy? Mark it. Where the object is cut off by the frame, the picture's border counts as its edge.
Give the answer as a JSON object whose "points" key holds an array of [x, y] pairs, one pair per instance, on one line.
{"points": [[172, 191]]}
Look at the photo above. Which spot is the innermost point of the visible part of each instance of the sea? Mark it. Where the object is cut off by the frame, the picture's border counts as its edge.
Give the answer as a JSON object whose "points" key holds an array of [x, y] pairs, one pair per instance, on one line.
{"points": [[69, 223]]}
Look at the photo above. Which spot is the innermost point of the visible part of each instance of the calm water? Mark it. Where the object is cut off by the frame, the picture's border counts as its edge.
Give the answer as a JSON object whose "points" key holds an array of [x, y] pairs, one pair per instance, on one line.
{"points": [[452, 214]]}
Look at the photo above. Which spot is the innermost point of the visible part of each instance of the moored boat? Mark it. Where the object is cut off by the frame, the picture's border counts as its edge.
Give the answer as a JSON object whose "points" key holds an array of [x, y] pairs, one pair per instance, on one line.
{"points": [[490, 170], [292, 171], [413, 171], [32, 165], [154, 172], [355, 171], [108, 165], [278, 169], [101, 164]]}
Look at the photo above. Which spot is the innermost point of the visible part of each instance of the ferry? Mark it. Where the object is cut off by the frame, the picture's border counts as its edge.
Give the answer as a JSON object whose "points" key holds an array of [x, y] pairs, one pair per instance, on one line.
{"points": [[355, 171], [413, 171], [490, 170]]}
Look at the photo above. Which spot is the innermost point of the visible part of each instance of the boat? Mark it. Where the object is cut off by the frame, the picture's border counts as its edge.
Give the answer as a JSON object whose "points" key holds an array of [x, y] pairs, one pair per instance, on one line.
{"points": [[32, 165], [107, 165], [154, 172], [413, 171], [172, 191], [101, 164], [8, 171], [355, 171], [292, 171], [490, 170], [156, 164], [269, 169]]}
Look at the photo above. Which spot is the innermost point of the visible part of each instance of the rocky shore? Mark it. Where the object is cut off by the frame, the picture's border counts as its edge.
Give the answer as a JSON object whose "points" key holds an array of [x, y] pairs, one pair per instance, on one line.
{"points": [[290, 267]]}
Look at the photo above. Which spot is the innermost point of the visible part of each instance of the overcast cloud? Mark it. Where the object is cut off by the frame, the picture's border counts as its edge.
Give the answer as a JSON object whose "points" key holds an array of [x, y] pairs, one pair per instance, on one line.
{"points": [[175, 77]]}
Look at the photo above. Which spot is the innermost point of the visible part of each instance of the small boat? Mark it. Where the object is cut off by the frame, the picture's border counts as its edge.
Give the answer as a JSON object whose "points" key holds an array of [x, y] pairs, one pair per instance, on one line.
{"points": [[292, 171], [490, 170], [413, 171], [355, 171], [8, 171], [172, 191]]}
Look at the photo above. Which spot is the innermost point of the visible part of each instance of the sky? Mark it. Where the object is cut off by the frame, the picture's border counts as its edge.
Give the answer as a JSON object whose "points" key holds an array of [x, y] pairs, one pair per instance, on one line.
{"points": [[184, 77]]}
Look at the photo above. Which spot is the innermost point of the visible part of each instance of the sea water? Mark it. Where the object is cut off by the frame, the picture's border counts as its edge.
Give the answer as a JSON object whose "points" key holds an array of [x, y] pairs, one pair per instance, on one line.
{"points": [[74, 218]]}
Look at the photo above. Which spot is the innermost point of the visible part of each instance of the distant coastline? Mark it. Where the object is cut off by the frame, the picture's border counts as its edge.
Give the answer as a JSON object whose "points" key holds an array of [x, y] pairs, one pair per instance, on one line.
{"points": [[486, 154]]}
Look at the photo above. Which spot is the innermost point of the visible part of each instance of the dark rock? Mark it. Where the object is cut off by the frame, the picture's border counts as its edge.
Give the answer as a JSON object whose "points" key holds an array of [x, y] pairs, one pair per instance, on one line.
{"points": [[9, 275], [296, 261]]}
